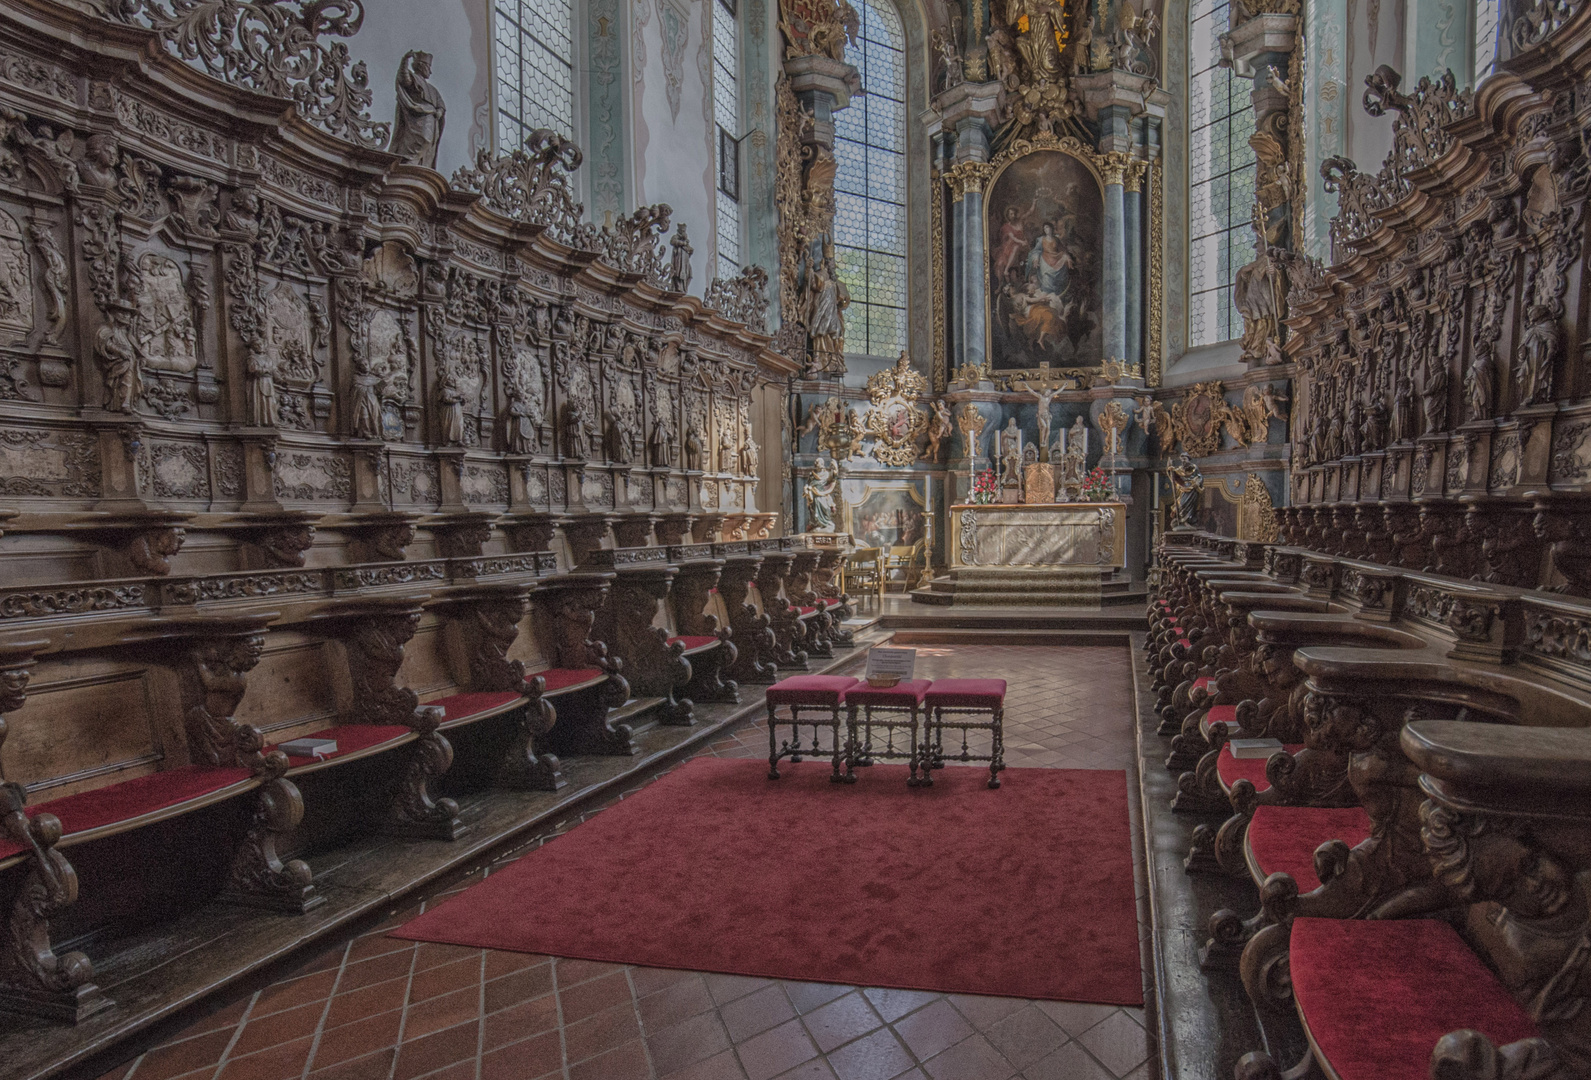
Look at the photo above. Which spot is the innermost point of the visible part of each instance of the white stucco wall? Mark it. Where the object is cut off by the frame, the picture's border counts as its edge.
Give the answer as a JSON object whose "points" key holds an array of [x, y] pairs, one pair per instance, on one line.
{"points": [[458, 34], [673, 143]]}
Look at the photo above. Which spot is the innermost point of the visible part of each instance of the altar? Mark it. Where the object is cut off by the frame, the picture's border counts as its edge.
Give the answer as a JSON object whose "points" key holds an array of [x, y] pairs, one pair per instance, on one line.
{"points": [[1038, 535]]}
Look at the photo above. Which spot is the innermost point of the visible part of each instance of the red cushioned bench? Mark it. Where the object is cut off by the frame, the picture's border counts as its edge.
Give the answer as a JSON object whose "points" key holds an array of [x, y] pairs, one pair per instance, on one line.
{"points": [[984, 698], [800, 694], [1376, 996], [903, 699]]}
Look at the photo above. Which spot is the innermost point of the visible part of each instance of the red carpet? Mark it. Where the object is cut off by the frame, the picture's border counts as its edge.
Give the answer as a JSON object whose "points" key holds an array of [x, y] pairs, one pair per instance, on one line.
{"points": [[1026, 891]]}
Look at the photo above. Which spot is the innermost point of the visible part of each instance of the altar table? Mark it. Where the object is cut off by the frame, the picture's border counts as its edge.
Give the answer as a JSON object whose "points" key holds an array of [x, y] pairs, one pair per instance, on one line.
{"points": [[1038, 535]]}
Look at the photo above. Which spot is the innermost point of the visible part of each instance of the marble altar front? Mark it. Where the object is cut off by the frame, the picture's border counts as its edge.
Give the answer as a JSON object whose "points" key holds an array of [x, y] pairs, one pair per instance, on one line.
{"points": [[1038, 535]]}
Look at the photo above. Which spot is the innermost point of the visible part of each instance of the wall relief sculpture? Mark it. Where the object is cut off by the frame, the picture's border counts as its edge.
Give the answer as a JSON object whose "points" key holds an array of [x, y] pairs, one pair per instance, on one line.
{"points": [[897, 419]]}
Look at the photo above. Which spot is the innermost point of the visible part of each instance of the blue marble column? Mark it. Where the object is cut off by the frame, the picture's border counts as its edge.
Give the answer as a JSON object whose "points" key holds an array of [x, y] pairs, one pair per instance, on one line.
{"points": [[967, 178], [1133, 217], [1115, 262], [974, 304]]}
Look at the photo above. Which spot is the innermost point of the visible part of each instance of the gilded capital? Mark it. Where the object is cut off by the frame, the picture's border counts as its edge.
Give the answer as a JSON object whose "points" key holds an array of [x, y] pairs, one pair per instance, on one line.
{"points": [[1134, 179], [967, 178], [1115, 166]]}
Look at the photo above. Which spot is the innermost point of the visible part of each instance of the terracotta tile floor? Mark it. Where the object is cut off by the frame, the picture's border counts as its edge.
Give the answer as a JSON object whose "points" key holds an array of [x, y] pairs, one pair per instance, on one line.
{"points": [[376, 1008]]}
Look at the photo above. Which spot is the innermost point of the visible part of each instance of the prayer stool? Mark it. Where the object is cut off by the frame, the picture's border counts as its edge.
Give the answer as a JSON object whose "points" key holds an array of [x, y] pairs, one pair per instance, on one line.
{"points": [[902, 698], [964, 697], [810, 693]]}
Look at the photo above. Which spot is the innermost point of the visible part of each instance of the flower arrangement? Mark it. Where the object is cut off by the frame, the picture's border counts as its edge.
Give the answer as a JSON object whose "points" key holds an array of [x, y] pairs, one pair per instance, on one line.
{"points": [[984, 487], [1096, 486]]}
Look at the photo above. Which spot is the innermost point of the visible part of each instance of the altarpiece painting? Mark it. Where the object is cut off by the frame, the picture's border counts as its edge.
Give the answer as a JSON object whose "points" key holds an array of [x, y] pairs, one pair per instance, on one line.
{"points": [[1043, 240]]}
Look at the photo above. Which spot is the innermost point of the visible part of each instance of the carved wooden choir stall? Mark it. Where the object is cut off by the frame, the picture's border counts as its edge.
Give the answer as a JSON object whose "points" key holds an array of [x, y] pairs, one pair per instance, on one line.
{"points": [[298, 440]]}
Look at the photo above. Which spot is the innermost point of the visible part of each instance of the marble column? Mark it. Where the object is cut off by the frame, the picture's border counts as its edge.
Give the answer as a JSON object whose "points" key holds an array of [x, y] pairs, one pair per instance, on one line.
{"points": [[969, 110], [1133, 219], [1115, 261]]}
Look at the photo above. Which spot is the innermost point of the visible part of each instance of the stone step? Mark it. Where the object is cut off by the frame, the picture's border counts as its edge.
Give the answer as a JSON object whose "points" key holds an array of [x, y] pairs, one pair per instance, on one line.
{"points": [[1030, 598]]}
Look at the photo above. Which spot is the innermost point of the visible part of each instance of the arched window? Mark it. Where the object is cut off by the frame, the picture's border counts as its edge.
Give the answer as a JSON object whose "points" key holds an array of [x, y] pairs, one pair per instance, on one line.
{"points": [[726, 115], [1220, 178], [870, 187], [535, 76]]}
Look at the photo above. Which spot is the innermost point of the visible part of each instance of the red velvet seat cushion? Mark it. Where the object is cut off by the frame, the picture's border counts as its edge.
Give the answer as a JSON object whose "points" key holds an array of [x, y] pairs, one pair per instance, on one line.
{"points": [[1219, 714], [1204, 682], [1231, 769], [902, 695], [351, 739], [694, 642], [459, 707], [1377, 994], [131, 799], [1284, 838], [810, 690], [561, 679], [966, 693], [808, 611]]}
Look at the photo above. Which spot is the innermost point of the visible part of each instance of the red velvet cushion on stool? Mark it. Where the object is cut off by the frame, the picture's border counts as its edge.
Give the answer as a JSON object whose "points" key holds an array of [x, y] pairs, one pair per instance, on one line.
{"points": [[1206, 683], [966, 693], [1231, 769], [131, 799], [1186, 643], [1284, 838], [1377, 994], [904, 695], [810, 690]]}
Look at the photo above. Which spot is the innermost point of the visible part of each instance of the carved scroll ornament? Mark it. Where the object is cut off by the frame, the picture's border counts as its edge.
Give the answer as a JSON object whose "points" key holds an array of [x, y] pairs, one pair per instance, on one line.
{"points": [[896, 420], [272, 48]]}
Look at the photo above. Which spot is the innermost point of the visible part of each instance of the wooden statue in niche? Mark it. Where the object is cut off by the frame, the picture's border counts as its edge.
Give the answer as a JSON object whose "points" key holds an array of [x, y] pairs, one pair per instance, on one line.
{"points": [[1043, 235], [16, 280]]}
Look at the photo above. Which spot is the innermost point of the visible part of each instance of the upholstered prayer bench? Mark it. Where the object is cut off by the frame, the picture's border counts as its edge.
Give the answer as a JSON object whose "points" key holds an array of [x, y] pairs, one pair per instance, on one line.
{"points": [[983, 699], [886, 709], [221, 802], [496, 715], [390, 749], [699, 622], [1487, 979], [784, 617], [636, 623], [1205, 731], [808, 694], [575, 667], [757, 650]]}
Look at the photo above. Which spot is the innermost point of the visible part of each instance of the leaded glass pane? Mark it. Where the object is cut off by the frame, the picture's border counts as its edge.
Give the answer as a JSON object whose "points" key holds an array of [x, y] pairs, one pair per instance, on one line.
{"points": [[535, 69], [726, 111], [870, 188], [1220, 177]]}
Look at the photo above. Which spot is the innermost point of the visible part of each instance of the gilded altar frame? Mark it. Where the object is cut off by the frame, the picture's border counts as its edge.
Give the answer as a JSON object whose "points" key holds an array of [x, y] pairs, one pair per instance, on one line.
{"points": [[1150, 172]]}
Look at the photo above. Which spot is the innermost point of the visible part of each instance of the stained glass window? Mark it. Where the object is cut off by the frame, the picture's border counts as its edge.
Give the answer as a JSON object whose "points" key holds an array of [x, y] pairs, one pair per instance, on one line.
{"points": [[535, 68], [870, 188], [1220, 178], [726, 113]]}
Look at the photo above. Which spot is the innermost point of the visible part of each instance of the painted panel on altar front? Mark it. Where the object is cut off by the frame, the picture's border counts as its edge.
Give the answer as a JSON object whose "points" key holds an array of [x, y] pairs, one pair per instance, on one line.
{"points": [[1044, 243]]}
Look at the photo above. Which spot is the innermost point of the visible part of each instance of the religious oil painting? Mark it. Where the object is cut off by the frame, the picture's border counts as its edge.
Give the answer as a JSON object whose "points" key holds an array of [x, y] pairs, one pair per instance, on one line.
{"points": [[887, 514], [1043, 239]]}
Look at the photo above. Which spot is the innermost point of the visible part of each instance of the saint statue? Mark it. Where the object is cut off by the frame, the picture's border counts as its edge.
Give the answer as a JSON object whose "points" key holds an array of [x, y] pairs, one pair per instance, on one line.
{"points": [[679, 274], [1538, 349], [1009, 452], [940, 428], [1405, 422], [820, 493], [1478, 382], [1259, 293], [261, 374], [1186, 484], [417, 126], [1039, 25], [823, 298]]}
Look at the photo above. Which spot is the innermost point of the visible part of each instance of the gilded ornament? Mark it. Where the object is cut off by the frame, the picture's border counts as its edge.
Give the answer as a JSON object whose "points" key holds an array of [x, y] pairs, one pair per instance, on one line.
{"points": [[896, 421]]}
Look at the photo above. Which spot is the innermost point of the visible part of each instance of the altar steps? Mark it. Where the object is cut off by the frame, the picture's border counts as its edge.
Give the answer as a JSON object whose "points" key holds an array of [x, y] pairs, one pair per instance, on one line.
{"points": [[1062, 586]]}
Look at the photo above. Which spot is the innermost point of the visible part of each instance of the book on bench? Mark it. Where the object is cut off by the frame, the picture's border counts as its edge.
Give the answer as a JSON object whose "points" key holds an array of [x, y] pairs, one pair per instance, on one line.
{"points": [[319, 749], [1254, 748]]}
